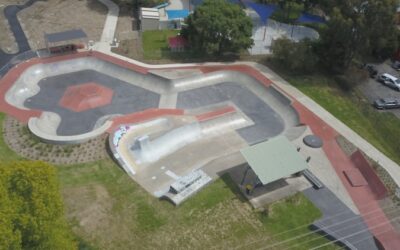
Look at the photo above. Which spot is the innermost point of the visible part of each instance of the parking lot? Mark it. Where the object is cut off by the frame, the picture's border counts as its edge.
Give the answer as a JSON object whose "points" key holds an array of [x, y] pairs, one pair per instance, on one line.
{"points": [[373, 90]]}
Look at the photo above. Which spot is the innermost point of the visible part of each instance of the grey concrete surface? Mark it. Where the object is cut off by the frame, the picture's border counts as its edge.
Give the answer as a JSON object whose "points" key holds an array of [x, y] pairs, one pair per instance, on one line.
{"points": [[42, 85], [127, 99], [339, 221], [267, 122]]}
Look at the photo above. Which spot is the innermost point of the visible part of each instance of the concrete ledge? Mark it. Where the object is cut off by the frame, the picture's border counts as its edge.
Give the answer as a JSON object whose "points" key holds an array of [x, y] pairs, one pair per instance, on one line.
{"points": [[34, 125]]}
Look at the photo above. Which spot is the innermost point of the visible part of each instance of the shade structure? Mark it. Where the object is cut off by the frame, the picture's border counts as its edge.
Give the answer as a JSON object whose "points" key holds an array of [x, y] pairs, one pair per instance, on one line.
{"points": [[65, 36], [274, 159]]}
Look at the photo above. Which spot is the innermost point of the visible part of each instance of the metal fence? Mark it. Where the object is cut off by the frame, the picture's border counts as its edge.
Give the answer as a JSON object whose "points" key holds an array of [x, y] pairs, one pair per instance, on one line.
{"points": [[16, 60]]}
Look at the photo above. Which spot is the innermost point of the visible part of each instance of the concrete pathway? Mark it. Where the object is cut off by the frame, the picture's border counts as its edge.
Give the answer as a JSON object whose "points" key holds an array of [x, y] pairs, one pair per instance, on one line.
{"points": [[110, 26]]}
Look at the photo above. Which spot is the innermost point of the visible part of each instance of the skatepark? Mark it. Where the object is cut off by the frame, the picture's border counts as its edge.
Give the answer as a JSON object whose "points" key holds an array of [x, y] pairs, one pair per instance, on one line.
{"points": [[174, 130], [179, 127]]}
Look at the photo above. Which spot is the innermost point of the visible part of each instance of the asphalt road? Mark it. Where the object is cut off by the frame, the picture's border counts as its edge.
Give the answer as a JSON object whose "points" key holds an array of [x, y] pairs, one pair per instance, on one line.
{"points": [[373, 90], [10, 12]]}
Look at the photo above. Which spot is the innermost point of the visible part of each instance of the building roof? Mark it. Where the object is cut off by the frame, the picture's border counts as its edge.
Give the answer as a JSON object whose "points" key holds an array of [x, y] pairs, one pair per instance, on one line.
{"points": [[65, 36], [149, 13], [274, 159], [177, 14]]}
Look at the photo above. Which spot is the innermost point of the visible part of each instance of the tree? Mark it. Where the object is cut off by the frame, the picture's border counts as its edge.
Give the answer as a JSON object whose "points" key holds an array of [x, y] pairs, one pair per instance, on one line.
{"points": [[217, 26], [31, 209], [382, 32], [341, 40], [298, 57]]}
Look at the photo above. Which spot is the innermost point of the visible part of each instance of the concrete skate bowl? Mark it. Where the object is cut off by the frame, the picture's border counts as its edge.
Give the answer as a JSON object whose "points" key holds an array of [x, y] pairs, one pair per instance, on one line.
{"points": [[70, 99]]}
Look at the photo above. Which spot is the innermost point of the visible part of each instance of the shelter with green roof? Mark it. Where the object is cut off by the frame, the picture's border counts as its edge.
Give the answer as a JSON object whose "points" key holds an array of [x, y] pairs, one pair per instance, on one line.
{"points": [[274, 159]]}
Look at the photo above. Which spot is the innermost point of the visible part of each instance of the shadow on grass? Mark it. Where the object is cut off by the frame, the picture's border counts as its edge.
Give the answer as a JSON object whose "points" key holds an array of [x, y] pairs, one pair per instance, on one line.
{"points": [[327, 236], [188, 56], [233, 186]]}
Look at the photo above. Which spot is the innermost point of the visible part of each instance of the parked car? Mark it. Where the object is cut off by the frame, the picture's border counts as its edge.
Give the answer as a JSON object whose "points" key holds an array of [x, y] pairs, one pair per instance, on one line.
{"points": [[387, 103], [396, 65], [371, 70], [389, 81]]}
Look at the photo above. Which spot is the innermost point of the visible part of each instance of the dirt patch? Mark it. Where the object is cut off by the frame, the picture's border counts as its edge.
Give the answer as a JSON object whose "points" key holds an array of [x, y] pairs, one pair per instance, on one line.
{"points": [[18, 137], [59, 15], [90, 217], [7, 39], [221, 222]]}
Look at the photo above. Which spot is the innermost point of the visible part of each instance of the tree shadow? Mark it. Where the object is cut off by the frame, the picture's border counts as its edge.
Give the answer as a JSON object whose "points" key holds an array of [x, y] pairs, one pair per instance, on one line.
{"points": [[97, 6]]}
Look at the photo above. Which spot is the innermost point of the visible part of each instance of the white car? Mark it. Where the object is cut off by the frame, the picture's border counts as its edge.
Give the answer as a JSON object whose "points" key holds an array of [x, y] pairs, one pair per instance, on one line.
{"points": [[390, 81]]}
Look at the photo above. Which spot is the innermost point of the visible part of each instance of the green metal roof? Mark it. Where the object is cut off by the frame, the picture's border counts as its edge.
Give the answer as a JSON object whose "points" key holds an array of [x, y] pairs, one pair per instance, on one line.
{"points": [[274, 159]]}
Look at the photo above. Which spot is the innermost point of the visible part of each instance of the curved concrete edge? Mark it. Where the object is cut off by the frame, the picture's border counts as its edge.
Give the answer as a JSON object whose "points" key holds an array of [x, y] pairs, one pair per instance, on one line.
{"points": [[35, 125]]}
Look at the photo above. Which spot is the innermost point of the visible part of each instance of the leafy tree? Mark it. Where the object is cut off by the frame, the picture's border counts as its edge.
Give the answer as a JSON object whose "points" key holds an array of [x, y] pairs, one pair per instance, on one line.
{"points": [[341, 40], [297, 57], [358, 28], [382, 32], [31, 209], [217, 26]]}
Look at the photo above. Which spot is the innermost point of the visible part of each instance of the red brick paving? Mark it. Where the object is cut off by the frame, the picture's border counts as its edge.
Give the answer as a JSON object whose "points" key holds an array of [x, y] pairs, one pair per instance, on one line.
{"points": [[377, 222], [144, 116], [355, 177], [375, 183], [216, 113], [86, 96]]}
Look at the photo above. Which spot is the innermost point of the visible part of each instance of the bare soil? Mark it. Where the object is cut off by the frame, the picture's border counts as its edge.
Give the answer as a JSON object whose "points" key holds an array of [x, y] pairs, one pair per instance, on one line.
{"points": [[59, 15], [7, 40]]}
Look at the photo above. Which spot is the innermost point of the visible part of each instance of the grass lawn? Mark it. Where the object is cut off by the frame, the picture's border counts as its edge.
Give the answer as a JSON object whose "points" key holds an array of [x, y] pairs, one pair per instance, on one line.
{"points": [[155, 43], [6, 154], [381, 129], [109, 210]]}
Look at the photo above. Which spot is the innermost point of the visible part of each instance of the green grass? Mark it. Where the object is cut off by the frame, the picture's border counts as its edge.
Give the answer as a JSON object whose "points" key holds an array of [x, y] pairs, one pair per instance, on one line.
{"points": [[6, 154], [215, 217], [289, 218], [155, 43]]}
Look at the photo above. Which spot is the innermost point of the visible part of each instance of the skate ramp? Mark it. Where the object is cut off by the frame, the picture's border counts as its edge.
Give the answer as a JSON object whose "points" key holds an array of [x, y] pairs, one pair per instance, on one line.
{"points": [[42, 86]]}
